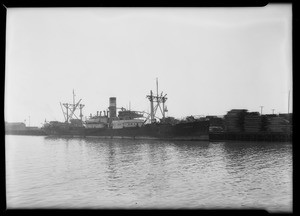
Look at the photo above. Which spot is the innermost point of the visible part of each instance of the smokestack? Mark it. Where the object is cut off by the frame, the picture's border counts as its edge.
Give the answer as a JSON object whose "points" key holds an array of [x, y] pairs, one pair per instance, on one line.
{"points": [[104, 112], [112, 107], [97, 113], [100, 113]]}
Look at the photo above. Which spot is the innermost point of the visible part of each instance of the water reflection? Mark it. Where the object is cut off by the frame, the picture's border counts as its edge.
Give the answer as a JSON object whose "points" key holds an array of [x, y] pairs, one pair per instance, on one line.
{"points": [[253, 155], [196, 149], [254, 171], [100, 173]]}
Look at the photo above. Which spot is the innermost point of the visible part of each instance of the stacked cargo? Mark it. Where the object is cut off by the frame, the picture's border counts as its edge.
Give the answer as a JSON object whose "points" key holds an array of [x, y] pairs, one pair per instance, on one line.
{"points": [[234, 120], [276, 124], [216, 124], [265, 122], [253, 122], [215, 121], [287, 116]]}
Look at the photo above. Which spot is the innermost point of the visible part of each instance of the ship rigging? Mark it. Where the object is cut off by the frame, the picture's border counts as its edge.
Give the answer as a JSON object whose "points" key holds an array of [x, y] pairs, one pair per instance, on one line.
{"points": [[70, 110], [158, 100]]}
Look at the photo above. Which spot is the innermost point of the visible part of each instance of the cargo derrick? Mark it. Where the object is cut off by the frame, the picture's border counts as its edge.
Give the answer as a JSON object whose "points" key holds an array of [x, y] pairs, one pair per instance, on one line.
{"points": [[158, 99], [72, 124], [69, 112]]}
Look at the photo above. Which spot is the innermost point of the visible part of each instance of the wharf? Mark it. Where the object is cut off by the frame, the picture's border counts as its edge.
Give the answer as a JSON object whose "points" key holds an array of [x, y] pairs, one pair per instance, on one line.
{"points": [[36, 132], [247, 136]]}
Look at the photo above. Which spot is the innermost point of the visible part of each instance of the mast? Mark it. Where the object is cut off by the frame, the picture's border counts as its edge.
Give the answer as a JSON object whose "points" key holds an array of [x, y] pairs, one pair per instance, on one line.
{"points": [[156, 87], [158, 100], [80, 107], [261, 108], [289, 103], [151, 106], [73, 100], [163, 101], [72, 108]]}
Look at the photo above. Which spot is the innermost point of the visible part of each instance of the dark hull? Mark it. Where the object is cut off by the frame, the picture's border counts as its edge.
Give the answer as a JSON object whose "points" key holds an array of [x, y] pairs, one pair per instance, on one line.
{"points": [[183, 131]]}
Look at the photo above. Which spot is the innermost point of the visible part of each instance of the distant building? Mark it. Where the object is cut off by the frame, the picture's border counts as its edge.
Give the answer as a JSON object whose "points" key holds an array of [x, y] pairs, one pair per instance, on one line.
{"points": [[15, 126]]}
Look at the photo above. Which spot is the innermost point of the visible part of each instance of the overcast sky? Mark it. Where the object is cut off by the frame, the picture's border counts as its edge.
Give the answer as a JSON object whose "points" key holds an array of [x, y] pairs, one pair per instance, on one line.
{"points": [[208, 60]]}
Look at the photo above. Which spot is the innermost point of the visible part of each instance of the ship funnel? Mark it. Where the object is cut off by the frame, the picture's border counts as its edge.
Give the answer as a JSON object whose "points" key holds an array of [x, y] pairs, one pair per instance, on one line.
{"points": [[112, 107]]}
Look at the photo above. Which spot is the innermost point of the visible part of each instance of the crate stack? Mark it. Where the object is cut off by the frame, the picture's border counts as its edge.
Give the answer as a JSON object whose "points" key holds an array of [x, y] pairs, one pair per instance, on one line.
{"points": [[265, 122], [277, 124], [234, 120], [253, 122], [287, 116], [215, 121]]}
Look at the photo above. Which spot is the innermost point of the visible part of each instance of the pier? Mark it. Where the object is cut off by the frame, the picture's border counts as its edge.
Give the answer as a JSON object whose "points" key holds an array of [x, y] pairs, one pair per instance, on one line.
{"points": [[244, 136]]}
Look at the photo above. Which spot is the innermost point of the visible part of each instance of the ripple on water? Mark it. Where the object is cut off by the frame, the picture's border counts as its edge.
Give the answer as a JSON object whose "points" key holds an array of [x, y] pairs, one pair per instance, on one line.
{"points": [[99, 173]]}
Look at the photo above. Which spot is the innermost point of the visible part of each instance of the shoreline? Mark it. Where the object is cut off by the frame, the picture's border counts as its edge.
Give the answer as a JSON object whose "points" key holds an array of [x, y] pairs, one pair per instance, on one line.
{"points": [[212, 136]]}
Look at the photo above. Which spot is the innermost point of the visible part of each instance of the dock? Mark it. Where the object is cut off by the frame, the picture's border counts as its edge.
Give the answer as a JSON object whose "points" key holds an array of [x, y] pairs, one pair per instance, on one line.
{"points": [[246, 136]]}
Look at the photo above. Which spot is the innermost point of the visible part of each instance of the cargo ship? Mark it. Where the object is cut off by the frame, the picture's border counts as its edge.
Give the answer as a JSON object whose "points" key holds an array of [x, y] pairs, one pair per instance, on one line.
{"points": [[129, 124]]}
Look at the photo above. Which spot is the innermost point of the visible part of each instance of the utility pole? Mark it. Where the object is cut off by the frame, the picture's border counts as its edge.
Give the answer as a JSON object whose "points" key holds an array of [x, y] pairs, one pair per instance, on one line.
{"points": [[261, 108]]}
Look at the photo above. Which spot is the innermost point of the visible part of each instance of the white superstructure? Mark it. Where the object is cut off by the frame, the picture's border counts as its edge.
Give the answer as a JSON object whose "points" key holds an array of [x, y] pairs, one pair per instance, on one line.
{"points": [[117, 124]]}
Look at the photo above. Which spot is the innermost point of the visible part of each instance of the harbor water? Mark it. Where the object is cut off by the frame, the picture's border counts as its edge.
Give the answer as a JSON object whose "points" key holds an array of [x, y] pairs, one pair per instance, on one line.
{"points": [[93, 173]]}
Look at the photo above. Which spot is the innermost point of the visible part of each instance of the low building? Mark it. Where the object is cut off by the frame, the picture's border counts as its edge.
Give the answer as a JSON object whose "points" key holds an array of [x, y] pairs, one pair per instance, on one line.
{"points": [[15, 126]]}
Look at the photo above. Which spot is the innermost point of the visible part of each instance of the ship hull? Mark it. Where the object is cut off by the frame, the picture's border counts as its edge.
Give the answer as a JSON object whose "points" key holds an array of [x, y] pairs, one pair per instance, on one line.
{"points": [[183, 131]]}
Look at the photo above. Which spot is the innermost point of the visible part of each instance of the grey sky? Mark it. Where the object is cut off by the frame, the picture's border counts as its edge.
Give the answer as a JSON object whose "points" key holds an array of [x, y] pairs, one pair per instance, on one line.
{"points": [[208, 60]]}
